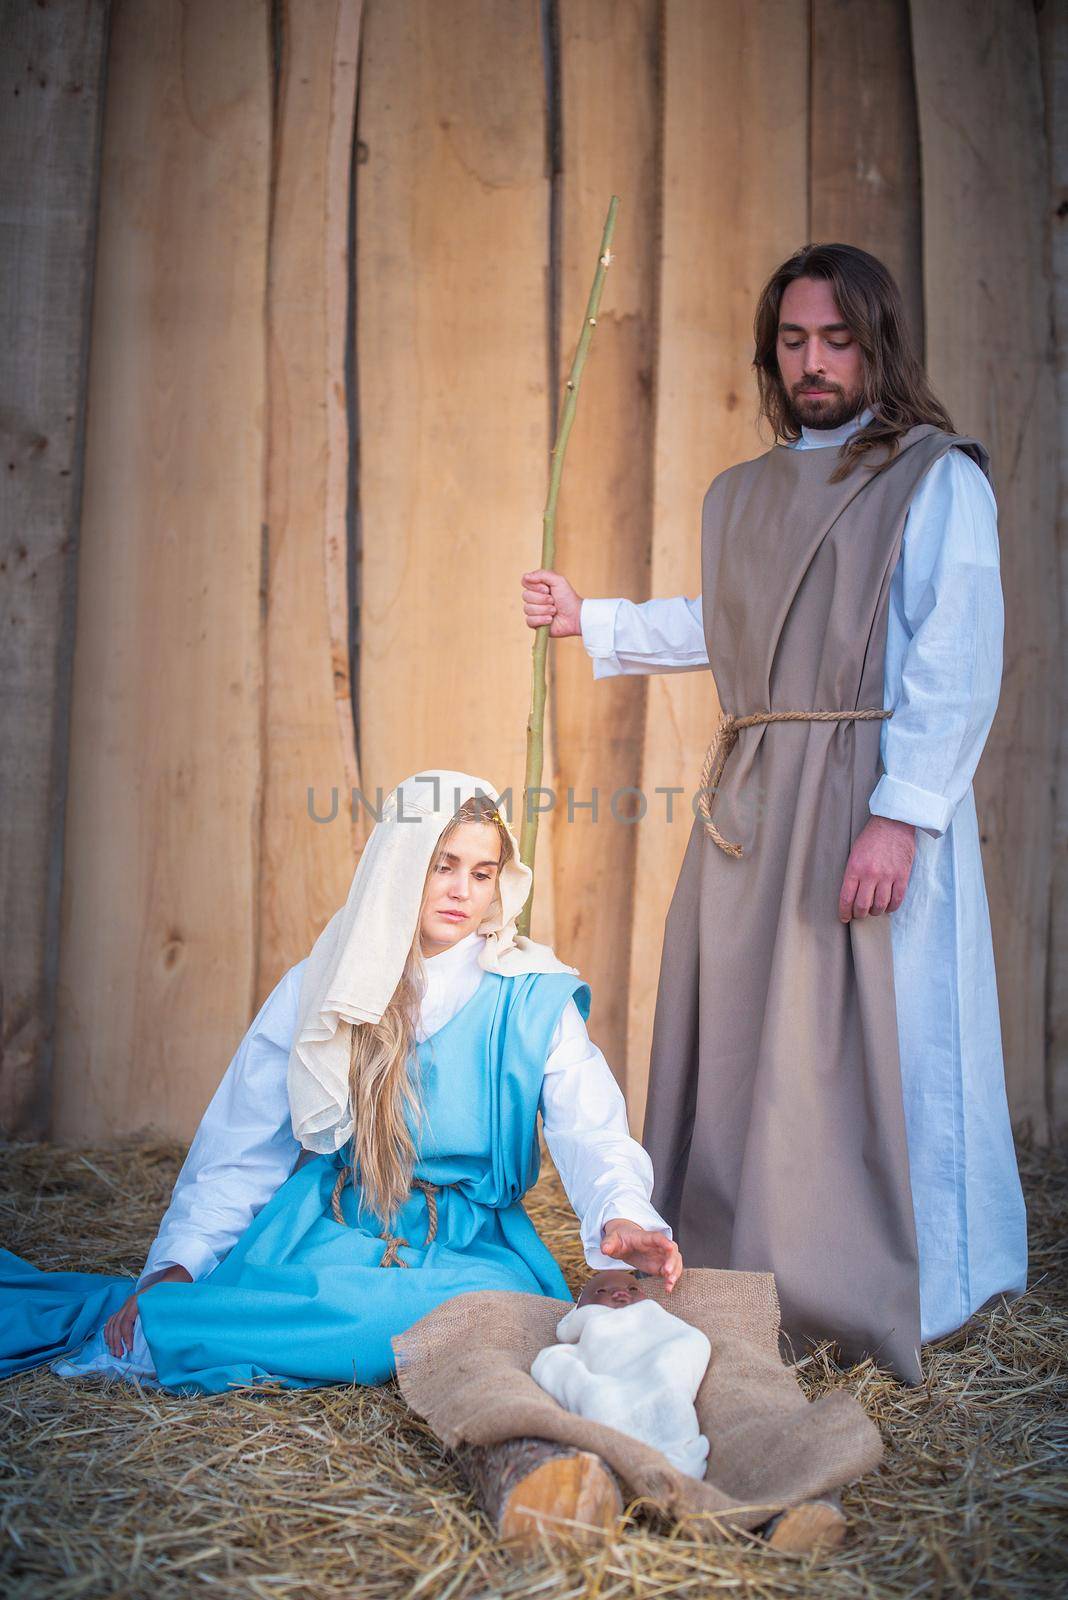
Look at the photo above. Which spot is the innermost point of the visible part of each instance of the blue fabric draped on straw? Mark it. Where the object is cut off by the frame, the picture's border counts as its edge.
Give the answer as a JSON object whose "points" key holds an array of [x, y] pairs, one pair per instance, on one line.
{"points": [[47, 1314]]}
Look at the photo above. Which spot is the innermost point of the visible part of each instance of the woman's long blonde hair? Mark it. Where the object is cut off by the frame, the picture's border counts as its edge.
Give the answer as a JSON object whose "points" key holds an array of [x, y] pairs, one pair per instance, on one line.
{"points": [[381, 1088]]}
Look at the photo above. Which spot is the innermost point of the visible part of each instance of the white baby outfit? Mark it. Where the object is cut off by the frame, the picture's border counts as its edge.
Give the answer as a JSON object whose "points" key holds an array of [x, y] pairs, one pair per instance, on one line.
{"points": [[637, 1369]]}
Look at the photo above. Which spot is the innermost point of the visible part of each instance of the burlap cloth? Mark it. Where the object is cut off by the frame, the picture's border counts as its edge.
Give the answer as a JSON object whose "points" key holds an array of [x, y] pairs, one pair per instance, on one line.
{"points": [[465, 1368]]}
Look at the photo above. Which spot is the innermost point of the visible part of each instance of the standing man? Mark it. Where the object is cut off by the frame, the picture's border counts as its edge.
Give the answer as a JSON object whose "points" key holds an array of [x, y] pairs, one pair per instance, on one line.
{"points": [[826, 1088]]}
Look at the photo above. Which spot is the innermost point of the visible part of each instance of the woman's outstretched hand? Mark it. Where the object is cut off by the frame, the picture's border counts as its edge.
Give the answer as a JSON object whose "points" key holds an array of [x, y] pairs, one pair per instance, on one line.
{"points": [[118, 1329], [642, 1248]]}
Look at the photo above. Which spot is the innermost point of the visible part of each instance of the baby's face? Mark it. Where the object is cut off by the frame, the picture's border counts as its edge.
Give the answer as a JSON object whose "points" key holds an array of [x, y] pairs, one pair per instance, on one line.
{"points": [[613, 1289]]}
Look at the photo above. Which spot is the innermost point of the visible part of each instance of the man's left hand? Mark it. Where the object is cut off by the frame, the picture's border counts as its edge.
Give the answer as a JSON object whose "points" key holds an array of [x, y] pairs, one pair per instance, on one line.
{"points": [[877, 872], [643, 1248]]}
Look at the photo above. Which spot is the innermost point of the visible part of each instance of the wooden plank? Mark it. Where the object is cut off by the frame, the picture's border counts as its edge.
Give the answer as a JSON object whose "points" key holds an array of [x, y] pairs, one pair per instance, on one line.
{"points": [[864, 178], [50, 82], [158, 950], [452, 232], [987, 296], [734, 206], [1053, 41], [534, 1491], [51, 74], [309, 735], [608, 52], [340, 391]]}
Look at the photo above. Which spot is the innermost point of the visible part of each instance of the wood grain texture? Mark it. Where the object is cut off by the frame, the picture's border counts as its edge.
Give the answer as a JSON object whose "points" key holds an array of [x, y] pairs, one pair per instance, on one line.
{"points": [[158, 943], [734, 206], [864, 178], [452, 236], [340, 399], [812, 1526], [50, 87], [608, 55], [533, 1489], [990, 358], [306, 865], [1053, 41]]}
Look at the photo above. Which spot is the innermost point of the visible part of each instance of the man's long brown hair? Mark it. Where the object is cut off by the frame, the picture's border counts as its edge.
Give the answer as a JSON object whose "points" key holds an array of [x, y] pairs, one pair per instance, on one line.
{"points": [[895, 385]]}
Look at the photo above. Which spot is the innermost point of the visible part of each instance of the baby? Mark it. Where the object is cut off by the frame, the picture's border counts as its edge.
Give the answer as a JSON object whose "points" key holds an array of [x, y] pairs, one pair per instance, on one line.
{"points": [[625, 1361]]}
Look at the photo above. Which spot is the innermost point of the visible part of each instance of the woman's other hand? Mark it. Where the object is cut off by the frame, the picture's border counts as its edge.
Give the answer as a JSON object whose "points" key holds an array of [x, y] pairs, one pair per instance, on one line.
{"points": [[118, 1329], [548, 599], [643, 1248]]}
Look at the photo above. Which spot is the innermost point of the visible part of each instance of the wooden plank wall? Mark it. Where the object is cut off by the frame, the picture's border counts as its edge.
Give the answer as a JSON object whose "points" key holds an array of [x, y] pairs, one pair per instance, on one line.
{"points": [[864, 174], [733, 207], [1053, 43], [305, 866], [609, 122], [50, 99], [452, 212], [210, 676], [158, 938], [989, 354]]}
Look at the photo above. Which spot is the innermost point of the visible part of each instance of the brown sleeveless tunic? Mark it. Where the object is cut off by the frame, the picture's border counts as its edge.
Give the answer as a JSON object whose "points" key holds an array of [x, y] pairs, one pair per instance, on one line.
{"points": [[775, 1120]]}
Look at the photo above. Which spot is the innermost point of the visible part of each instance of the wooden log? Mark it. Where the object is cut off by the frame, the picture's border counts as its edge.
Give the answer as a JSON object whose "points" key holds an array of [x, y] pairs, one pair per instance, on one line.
{"points": [[158, 948], [50, 93], [533, 1489], [865, 157], [813, 1527], [734, 205], [1053, 39], [452, 230], [609, 109], [309, 734], [989, 354]]}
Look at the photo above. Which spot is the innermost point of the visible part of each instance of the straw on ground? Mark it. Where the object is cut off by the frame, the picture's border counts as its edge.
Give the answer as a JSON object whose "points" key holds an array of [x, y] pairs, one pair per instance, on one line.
{"points": [[108, 1490]]}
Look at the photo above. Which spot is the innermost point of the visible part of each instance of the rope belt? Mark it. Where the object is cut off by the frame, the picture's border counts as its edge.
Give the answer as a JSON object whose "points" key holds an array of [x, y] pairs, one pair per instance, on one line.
{"points": [[390, 1257], [727, 737]]}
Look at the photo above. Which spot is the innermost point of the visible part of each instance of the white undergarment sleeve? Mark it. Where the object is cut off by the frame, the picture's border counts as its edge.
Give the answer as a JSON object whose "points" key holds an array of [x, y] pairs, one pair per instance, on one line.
{"points": [[605, 1172], [652, 636], [944, 647]]}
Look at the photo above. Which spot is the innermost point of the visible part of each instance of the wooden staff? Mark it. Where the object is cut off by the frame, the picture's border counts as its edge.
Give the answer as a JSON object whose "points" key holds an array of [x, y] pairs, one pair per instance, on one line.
{"points": [[528, 837]]}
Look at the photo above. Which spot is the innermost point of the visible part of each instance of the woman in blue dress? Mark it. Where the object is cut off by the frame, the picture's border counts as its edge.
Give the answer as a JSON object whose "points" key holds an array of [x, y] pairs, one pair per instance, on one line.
{"points": [[366, 1154]]}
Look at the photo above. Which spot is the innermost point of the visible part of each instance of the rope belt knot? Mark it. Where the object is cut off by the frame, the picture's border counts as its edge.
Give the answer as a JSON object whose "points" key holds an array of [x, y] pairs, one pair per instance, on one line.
{"points": [[390, 1258], [726, 737]]}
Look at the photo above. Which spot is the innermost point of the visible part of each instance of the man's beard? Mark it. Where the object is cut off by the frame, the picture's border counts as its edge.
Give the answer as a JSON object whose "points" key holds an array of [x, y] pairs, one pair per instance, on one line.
{"points": [[833, 412]]}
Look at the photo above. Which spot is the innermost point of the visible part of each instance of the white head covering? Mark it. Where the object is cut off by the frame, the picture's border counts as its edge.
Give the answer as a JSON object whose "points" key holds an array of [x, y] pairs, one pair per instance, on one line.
{"points": [[357, 961]]}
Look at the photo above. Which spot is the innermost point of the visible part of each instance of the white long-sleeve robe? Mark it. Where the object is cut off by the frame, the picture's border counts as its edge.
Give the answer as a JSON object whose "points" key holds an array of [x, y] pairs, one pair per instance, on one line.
{"points": [[244, 1148], [942, 678]]}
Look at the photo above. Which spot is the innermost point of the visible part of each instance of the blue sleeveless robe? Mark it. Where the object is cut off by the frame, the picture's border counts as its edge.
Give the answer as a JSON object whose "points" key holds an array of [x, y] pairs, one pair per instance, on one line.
{"points": [[301, 1299]]}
